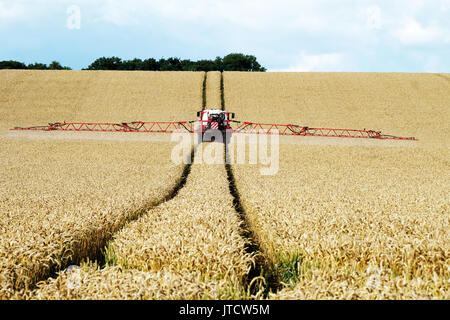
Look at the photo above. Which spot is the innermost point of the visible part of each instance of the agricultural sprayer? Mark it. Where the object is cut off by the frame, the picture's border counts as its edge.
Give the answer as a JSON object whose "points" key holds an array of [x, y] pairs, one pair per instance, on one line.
{"points": [[212, 123]]}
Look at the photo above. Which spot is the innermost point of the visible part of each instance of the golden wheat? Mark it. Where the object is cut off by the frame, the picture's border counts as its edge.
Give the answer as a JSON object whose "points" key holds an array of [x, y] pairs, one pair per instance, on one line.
{"points": [[197, 230], [213, 96], [399, 104], [63, 199], [29, 98], [118, 283], [336, 222], [196, 233], [351, 222], [331, 214]]}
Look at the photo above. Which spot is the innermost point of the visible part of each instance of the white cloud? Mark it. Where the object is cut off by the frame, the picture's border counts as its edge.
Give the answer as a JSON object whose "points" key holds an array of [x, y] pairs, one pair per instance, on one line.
{"points": [[445, 5], [373, 15], [118, 13], [319, 62], [10, 12], [299, 35], [252, 15], [29, 11], [412, 32], [73, 21]]}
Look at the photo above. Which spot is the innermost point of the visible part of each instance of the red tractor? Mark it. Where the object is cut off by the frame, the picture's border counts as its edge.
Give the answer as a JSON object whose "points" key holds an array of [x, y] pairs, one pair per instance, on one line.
{"points": [[214, 125]]}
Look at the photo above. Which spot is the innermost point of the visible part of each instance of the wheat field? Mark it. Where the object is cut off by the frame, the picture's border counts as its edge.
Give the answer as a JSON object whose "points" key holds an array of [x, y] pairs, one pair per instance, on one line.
{"points": [[110, 216], [63, 198], [351, 222], [193, 239], [90, 282], [31, 98], [213, 93], [401, 104], [350, 216]]}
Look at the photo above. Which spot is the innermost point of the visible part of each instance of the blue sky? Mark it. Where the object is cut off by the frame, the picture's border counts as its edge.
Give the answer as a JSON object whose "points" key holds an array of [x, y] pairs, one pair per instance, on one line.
{"points": [[285, 35]]}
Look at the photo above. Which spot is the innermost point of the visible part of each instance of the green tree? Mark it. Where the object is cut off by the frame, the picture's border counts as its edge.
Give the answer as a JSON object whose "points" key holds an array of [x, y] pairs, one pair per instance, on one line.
{"points": [[187, 65], [150, 64], [112, 63], [55, 65], [218, 64], [11, 64], [241, 62], [135, 64], [170, 64], [37, 66], [205, 65], [231, 62]]}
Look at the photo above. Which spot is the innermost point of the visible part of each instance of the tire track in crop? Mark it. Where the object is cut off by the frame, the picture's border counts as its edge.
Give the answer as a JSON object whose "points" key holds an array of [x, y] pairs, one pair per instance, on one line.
{"points": [[205, 78], [263, 267], [100, 256], [252, 282], [215, 202], [98, 252]]}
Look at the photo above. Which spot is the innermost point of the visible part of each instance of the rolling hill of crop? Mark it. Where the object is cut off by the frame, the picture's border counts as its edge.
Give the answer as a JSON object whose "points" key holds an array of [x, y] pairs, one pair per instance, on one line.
{"points": [[335, 221]]}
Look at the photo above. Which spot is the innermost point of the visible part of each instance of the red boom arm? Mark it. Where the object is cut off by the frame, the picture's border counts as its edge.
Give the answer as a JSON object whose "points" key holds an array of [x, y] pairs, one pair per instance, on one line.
{"points": [[136, 126], [295, 130], [188, 126]]}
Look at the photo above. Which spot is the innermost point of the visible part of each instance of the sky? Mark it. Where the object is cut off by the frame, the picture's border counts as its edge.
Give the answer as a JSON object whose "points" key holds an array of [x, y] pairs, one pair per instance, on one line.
{"points": [[285, 35]]}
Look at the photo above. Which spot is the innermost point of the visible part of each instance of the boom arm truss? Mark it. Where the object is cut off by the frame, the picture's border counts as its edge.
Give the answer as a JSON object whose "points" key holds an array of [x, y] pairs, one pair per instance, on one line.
{"points": [[135, 126], [188, 126], [295, 130]]}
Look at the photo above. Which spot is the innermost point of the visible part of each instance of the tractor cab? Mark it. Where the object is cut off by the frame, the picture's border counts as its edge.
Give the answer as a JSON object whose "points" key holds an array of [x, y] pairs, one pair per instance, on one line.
{"points": [[214, 119], [214, 122]]}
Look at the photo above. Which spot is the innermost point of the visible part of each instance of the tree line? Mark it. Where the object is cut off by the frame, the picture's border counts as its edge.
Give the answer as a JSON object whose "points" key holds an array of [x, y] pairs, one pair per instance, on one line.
{"points": [[230, 62], [11, 64]]}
